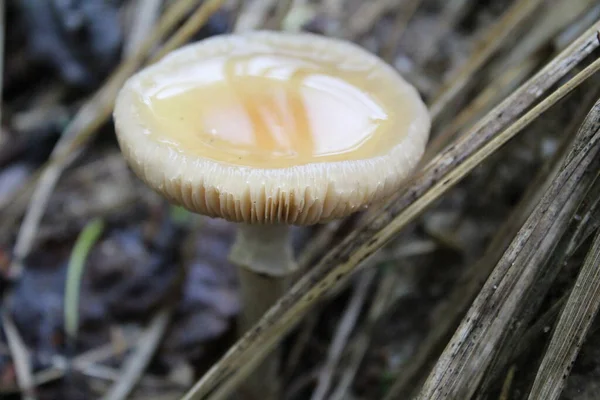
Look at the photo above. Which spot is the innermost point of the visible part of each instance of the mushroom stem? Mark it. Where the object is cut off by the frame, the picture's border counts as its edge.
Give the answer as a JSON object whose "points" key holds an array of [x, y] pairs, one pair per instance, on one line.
{"points": [[264, 259]]}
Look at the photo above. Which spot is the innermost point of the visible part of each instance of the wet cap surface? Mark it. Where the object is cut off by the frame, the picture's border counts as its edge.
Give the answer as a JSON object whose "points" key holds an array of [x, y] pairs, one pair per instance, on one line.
{"points": [[271, 127]]}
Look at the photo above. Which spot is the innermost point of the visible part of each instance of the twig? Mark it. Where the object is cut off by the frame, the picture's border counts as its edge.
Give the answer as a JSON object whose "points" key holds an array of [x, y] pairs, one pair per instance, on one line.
{"points": [[571, 330], [501, 87], [549, 21], [559, 255], [80, 363], [366, 16], [450, 16], [424, 188], [300, 343], [461, 366], [317, 245], [448, 313], [144, 14], [92, 115], [360, 344], [403, 16], [299, 14], [253, 15], [313, 249], [196, 21], [134, 366], [494, 38], [581, 24], [342, 334], [282, 9], [20, 357]]}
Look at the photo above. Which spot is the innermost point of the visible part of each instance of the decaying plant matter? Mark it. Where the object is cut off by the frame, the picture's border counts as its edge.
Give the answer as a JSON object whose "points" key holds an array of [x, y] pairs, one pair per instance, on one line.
{"points": [[478, 279]]}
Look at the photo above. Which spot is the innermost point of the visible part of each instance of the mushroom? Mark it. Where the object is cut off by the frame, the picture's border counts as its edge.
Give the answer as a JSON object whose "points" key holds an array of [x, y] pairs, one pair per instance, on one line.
{"points": [[270, 129]]}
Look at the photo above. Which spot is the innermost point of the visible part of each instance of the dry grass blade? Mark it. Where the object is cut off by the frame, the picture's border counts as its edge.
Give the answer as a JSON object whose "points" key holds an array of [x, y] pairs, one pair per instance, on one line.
{"points": [[345, 328], [495, 37], [367, 14], [91, 116], [549, 21], [461, 366], [501, 87], [425, 187], [134, 366], [403, 17], [387, 285], [448, 313], [189, 28], [20, 357], [570, 332], [253, 15], [450, 15], [144, 16], [552, 267]]}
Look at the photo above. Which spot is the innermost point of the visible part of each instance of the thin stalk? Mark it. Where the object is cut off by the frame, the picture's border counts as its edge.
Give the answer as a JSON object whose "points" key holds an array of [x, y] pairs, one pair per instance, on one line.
{"points": [[264, 259]]}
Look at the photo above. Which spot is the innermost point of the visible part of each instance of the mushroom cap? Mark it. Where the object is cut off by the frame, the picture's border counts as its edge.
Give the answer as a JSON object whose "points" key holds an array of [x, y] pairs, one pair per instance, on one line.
{"points": [[369, 127]]}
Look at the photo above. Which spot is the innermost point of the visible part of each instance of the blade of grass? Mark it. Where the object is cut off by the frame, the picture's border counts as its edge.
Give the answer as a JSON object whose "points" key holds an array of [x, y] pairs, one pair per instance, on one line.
{"points": [[343, 332], [424, 188], [20, 357], [86, 240], [134, 365], [571, 330], [360, 344], [253, 14], [524, 333], [559, 255], [403, 16], [448, 313], [503, 85], [368, 13], [93, 114], [494, 38], [472, 348], [450, 15]]}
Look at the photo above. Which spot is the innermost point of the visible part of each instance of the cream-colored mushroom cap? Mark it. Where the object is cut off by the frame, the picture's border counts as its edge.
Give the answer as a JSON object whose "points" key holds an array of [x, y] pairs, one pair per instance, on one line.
{"points": [[271, 127]]}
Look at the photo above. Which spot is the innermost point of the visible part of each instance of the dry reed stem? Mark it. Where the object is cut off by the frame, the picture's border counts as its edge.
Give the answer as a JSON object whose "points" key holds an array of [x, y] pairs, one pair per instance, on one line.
{"points": [[571, 330], [96, 112], [463, 363], [448, 313], [403, 16], [342, 334], [549, 21], [20, 357], [499, 88], [143, 14], [253, 15], [449, 17], [136, 363], [366, 16], [558, 256], [524, 333], [358, 347], [493, 39], [424, 188]]}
